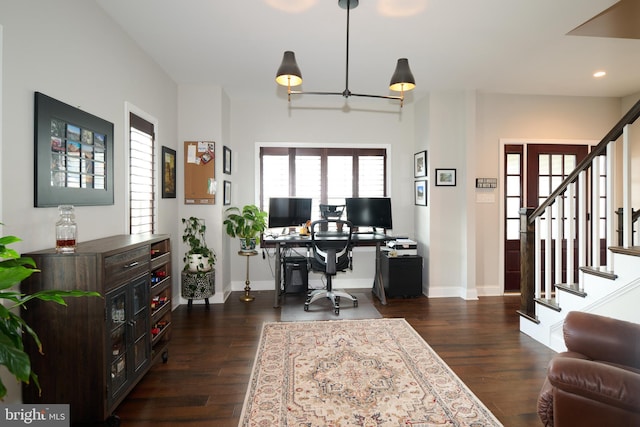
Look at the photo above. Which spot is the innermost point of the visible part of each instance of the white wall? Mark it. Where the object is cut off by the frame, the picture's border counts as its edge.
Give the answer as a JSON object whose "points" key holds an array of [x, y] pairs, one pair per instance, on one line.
{"points": [[201, 110], [90, 64], [71, 51], [320, 121]]}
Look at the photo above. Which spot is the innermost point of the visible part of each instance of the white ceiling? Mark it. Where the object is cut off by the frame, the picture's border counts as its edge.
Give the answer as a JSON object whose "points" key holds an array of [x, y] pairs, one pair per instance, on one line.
{"points": [[505, 46]]}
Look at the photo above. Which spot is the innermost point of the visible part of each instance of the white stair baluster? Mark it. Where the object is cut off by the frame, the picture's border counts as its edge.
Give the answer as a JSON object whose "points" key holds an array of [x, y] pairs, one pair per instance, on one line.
{"points": [[595, 213], [571, 223]]}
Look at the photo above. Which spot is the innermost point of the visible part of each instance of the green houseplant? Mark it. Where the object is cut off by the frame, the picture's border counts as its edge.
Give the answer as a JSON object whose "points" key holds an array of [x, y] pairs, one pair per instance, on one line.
{"points": [[198, 258], [247, 224], [15, 268]]}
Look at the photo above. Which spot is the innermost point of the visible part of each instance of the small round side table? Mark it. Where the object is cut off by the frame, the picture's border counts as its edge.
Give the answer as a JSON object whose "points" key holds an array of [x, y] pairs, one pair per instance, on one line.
{"points": [[247, 297]]}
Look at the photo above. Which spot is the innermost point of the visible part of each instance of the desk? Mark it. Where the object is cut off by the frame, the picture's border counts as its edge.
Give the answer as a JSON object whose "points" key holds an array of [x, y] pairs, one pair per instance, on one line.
{"points": [[297, 241]]}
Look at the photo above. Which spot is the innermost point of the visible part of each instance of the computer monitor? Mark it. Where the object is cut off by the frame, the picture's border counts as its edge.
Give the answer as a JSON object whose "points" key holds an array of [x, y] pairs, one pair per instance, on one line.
{"points": [[289, 211], [369, 212]]}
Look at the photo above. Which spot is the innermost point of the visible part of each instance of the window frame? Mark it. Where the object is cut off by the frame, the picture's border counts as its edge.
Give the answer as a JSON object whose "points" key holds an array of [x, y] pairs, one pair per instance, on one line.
{"points": [[323, 150]]}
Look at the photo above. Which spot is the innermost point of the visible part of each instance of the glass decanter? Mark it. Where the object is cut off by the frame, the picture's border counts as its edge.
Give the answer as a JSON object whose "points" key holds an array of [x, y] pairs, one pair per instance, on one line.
{"points": [[66, 230]]}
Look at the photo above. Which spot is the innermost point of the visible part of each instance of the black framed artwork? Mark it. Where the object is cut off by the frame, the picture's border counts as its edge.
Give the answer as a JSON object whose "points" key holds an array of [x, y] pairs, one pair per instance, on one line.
{"points": [[445, 177], [227, 193], [226, 157], [420, 164], [420, 193], [73, 161], [168, 173]]}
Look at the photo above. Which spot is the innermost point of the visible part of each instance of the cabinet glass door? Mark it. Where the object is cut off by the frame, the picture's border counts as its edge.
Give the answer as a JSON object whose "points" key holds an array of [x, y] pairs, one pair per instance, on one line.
{"points": [[141, 329], [117, 314]]}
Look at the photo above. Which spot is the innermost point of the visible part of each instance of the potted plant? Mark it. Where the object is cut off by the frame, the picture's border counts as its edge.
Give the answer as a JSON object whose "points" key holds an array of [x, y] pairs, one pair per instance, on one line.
{"points": [[15, 268], [247, 224], [198, 258]]}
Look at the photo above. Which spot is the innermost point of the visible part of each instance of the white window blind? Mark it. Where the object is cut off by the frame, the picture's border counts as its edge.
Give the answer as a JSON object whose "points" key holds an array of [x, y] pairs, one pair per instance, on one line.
{"points": [[326, 175], [141, 177]]}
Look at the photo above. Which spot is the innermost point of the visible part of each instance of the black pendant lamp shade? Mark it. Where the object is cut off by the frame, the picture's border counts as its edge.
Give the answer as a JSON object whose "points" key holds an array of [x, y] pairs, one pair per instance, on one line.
{"points": [[402, 78], [289, 73]]}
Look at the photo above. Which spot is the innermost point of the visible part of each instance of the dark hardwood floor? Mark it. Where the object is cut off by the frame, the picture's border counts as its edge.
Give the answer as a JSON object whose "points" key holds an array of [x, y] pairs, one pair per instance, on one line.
{"points": [[212, 352]]}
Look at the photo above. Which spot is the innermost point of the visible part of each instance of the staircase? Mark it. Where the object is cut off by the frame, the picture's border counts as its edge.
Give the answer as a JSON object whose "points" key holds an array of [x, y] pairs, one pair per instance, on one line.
{"points": [[601, 272]]}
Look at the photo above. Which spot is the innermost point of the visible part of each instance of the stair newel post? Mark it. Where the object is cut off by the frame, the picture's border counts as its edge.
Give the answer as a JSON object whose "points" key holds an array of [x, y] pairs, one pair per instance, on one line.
{"points": [[527, 264]]}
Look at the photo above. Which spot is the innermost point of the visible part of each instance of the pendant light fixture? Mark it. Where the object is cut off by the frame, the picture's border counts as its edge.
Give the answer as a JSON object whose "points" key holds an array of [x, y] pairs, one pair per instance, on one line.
{"points": [[289, 74]]}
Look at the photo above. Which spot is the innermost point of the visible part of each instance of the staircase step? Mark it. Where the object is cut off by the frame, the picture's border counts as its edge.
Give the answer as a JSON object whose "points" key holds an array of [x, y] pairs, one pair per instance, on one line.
{"points": [[573, 288], [633, 251], [533, 319], [548, 303], [600, 272]]}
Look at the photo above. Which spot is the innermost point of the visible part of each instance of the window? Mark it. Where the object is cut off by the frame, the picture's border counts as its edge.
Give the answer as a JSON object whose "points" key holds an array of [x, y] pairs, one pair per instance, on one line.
{"points": [[513, 191], [327, 175], [141, 176]]}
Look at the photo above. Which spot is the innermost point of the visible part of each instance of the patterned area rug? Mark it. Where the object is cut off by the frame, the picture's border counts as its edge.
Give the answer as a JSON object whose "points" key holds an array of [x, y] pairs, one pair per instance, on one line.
{"points": [[367, 373]]}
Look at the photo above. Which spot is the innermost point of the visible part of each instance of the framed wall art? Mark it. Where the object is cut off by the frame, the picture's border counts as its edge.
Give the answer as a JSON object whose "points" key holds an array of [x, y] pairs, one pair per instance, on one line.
{"points": [[420, 164], [226, 156], [73, 158], [420, 194], [227, 193], [168, 173], [445, 177]]}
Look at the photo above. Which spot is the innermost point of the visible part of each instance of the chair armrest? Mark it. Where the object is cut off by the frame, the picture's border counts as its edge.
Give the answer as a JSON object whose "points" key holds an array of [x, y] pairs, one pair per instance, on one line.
{"points": [[597, 381], [603, 338]]}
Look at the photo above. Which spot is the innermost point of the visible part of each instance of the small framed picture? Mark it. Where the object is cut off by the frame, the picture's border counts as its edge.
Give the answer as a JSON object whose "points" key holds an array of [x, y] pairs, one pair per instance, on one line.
{"points": [[445, 177], [227, 193], [168, 173], [420, 164], [420, 195], [226, 156]]}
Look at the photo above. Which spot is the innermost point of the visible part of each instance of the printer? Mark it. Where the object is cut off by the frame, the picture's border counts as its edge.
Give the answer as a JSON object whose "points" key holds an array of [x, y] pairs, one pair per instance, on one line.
{"points": [[402, 247]]}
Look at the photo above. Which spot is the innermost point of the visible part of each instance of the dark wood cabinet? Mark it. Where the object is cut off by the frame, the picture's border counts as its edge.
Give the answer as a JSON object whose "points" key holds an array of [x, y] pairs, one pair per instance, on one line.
{"points": [[96, 349]]}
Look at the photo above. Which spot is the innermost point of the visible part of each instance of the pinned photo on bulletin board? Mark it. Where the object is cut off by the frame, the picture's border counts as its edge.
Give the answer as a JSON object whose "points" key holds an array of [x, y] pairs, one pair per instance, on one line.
{"points": [[199, 172]]}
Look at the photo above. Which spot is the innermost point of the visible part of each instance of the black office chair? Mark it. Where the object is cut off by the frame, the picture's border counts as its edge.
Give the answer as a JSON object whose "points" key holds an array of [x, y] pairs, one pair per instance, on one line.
{"points": [[331, 211], [331, 252]]}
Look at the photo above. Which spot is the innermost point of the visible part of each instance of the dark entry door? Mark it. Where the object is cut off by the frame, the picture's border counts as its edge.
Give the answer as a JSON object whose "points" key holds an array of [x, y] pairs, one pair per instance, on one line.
{"points": [[546, 166]]}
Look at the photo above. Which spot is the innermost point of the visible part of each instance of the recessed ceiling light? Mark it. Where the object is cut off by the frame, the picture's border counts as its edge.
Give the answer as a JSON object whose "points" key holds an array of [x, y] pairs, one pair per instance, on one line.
{"points": [[599, 74]]}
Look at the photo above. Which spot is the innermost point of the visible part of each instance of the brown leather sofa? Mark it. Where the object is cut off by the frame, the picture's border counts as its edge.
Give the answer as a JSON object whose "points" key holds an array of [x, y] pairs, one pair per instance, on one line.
{"points": [[597, 381]]}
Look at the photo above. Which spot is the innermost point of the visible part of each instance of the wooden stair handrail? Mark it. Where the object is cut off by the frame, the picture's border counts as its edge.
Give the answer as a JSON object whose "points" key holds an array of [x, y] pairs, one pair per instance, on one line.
{"points": [[613, 135]]}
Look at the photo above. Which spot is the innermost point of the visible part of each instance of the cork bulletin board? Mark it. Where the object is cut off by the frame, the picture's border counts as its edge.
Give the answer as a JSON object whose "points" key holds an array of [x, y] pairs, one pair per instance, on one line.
{"points": [[199, 172]]}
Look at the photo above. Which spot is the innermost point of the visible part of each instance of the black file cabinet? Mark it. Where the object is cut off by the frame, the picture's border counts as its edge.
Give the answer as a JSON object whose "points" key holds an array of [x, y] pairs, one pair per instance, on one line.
{"points": [[402, 275], [296, 276]]}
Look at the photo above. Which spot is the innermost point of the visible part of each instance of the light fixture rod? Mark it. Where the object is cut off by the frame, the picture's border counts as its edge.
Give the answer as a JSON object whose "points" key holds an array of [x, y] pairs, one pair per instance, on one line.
{"points": [[346, 92]]}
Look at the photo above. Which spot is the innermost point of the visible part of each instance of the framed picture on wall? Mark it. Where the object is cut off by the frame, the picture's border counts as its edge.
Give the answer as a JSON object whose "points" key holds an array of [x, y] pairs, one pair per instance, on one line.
{"points": [[445, 177], [168, 173], [420, 164], [227, 193], [73, 155], [420, 194], [226, 157]]}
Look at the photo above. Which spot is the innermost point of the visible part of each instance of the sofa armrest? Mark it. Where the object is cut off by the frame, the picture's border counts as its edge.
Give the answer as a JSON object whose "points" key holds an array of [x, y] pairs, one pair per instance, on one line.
{"points": [[600, 382], [603, 338]]}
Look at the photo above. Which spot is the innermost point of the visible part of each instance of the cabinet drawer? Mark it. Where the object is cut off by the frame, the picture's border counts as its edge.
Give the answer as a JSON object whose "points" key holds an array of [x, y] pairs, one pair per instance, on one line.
{"points": [[126, 265]]}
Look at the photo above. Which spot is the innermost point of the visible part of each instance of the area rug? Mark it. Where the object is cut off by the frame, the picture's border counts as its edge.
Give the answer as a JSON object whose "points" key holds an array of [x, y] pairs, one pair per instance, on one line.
{"points": [[292, 309], [364, 373]]}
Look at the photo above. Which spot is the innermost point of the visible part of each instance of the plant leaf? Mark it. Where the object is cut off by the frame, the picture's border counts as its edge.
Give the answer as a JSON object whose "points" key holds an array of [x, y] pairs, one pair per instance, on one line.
{"points": [[15, 359]]}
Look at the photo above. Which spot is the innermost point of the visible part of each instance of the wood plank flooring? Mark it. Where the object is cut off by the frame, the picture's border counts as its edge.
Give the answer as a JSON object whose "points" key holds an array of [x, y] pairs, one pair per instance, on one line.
{"points": [[212, 352]]}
